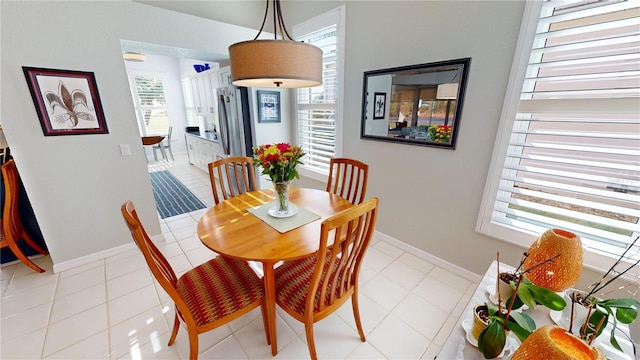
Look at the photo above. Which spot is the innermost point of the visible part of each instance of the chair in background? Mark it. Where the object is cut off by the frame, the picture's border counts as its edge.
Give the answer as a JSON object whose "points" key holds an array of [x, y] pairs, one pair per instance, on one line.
{"points": [[236, 175], [164, 146], [348, 179], [314, 287], [12, 229], [207, 296]]}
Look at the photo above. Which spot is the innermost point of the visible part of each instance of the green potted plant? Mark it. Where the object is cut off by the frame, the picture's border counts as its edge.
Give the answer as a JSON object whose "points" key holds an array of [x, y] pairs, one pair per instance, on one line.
{"points": [[587, 305], [502, 319]]}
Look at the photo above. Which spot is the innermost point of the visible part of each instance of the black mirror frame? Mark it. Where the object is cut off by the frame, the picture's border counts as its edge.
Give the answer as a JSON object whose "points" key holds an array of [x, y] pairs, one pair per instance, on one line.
{"points": [[464, 63]]}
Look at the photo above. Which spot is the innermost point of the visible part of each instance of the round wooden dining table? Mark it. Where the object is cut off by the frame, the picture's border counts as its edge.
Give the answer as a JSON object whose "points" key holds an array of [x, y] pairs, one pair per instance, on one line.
{"points": [[230, 230]]}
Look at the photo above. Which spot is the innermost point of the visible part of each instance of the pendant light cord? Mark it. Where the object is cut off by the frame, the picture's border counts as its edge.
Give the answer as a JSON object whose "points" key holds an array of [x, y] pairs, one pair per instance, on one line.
{"points": [[278, 22]]}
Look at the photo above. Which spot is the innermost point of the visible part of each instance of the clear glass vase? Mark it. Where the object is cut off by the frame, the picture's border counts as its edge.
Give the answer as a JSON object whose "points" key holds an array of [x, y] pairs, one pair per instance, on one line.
{"points": [[282, 197]]}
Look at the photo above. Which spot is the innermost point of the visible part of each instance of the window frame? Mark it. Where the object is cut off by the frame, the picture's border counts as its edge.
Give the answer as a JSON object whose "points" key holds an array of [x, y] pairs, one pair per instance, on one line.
{"points": [[138, 107], [335, 17], [592, 259]]}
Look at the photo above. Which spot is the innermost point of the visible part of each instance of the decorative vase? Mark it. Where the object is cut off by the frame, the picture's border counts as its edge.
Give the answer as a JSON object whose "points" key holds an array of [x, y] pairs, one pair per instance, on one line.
{"points": [[282, 197], [554, 342], [564, 271]]}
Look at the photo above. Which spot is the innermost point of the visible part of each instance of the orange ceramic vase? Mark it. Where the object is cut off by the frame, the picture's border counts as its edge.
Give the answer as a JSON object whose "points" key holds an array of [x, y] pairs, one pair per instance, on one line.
{"points": [[564, 271], [554, 342]]}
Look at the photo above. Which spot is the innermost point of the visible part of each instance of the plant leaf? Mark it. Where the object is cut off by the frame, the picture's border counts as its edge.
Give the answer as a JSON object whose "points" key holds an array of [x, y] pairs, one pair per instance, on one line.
{"points": [[626, 316], [613, 340], [523, 320], [517, 304], [547, 297], [520, 331], [492, 339], [526, 296]]}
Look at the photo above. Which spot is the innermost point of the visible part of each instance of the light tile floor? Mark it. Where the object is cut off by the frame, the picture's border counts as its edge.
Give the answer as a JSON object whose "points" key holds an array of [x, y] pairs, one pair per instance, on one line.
{"points": [[112, 309]]}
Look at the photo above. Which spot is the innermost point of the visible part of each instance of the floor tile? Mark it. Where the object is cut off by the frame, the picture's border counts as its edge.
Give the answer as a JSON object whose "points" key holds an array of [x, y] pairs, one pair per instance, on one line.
{"points": [[93, 347], [395, 340], [422, 316], [384, 292], [74, 329], [132, 304], [78, 302]]}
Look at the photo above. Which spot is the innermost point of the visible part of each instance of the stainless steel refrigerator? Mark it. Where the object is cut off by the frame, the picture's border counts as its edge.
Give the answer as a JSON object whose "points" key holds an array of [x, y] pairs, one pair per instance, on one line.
{"points": [[234, 120], [236, 127]]}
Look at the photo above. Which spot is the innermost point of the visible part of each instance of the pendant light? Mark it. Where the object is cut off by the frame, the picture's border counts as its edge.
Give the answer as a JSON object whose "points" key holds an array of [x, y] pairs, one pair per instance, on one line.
{"points": [[282, 63], [448, 91]]}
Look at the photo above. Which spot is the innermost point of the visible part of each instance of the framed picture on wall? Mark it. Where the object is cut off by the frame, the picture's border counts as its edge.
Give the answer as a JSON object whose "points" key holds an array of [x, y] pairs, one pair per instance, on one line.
{"points": [[379, 105], [67, 101], [268, 106]]}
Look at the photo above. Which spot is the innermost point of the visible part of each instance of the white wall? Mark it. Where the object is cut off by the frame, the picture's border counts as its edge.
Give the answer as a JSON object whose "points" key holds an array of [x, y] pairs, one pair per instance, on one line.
{"points": [[429, 197], [76, 184]]}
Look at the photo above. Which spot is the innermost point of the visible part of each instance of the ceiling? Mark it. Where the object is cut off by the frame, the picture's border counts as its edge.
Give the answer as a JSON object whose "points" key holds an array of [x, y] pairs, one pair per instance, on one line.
{"points": [[180, 53], [247, 13]]}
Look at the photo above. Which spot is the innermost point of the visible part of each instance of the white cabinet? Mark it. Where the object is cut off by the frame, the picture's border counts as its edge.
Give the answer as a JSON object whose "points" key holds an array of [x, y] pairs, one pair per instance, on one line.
{"points": [[201, 151], [202, 92], [224, 74]]}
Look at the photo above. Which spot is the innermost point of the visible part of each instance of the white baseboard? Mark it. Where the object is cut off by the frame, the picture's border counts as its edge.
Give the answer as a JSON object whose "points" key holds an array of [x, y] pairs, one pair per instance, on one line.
{"points": [[453, 268], [101, 255]]}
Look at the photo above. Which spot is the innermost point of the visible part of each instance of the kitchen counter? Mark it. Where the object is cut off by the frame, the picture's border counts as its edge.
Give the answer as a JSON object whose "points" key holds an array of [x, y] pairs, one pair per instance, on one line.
{"points": [[202, 149], [206, 136]]}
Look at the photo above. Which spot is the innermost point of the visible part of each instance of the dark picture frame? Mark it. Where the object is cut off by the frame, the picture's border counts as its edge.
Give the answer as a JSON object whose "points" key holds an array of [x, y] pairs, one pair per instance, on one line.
{"points": [[379, 105], [268, 106], [66, 101], [433, 121]]}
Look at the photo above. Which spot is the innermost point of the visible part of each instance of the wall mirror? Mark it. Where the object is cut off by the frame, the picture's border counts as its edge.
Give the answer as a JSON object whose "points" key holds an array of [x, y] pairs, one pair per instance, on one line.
{"points": [[417, 104]]}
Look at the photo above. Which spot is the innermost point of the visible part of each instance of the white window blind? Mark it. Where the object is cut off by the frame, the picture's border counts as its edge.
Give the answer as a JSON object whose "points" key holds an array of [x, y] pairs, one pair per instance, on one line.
{"points": [[318, 114], [189, 103], [572, 158], [151, 104]]}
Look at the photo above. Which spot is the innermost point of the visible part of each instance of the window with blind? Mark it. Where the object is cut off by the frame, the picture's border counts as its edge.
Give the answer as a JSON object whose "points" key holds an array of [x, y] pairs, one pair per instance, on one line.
{"points": [[150, 104], [189, 103], [318, 109], [568, 152]]}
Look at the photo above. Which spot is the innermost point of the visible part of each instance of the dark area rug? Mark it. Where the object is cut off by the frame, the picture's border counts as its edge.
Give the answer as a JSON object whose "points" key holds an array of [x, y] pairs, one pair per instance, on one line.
{"points": [[172, 197]]}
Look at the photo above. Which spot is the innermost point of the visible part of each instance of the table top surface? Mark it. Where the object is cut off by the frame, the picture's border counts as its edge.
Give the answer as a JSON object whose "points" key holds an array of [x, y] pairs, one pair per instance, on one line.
{"points": [[229, 229], [458, 347], [152, 140]]}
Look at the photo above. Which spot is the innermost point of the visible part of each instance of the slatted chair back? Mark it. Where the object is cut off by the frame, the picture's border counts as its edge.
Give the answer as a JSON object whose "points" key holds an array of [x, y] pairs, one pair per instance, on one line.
{"points": [[207, 296], [231, 177], [312, 288], [12, 228], [348, 179]]}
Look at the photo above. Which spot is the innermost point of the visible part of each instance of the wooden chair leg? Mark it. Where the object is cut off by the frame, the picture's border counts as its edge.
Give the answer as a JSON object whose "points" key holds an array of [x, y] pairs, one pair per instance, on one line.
{"points": [[193, 344], [356, 314], [176, 326], [18, 253], [308, 328], [33, 244]]}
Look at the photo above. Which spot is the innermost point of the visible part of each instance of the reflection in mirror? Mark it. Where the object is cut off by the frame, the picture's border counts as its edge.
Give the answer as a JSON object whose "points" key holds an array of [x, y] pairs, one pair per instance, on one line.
{"points": [[418, 104]]}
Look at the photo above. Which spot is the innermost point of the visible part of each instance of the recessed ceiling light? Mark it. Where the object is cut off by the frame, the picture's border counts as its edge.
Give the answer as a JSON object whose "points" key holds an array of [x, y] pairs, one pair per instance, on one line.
{"points": [[132, 56]]}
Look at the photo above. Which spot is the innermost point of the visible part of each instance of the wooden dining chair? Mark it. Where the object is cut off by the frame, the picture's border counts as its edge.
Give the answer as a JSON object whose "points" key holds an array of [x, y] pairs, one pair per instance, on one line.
{"points": [[314, 287], [207, 296], [235, 176], [12, 229], [164, 145], [348, 179]]}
